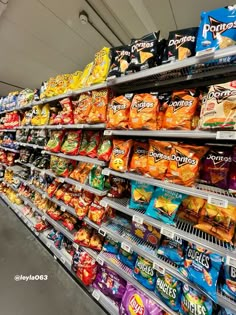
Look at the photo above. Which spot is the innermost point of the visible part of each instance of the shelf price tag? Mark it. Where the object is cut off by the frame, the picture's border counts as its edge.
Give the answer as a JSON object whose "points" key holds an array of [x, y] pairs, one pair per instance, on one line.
{"points": [[126, 247], [206, 53], [78, 186], [106, 171], [63, 208], [55, 257], [230, 261], [37, 233], [102, 232], [61, 180], [100, 260], [226, 135], [96, 294], [137, 219], [63, 260], [76, 246], [107, 132], [43, 218], [167, 233], [48, 244], [215, 201], [160, 269]]}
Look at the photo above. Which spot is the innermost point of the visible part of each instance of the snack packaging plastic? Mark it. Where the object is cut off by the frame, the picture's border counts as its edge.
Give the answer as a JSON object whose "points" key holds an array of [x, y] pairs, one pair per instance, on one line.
{"points": [[120, 155], [232, 172], [82, 108], [71, 142], [93, 144], [144, 273], [141, 195], [146, 232], [120, 59], [100, 67], [98, 112], [96, 178], [117, 187], [86, 268], [96, 241], [66, 115], [139, 159], [190, 209], [118, 112], [228, 285], [83, 236], [55, 141], [143, 111], [128, 259], [173, 249], [111, 246], [96, 213], [105, 149]]}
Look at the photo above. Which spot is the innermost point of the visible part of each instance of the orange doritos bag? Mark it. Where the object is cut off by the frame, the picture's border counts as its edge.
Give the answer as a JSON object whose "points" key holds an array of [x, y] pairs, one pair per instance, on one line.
{"points": [[143, 111], [82, 108], [181, 110], [120, 155], [190, 208], [158, 158], [139, 158], [118, 112], [98, 112], [184, 164]]}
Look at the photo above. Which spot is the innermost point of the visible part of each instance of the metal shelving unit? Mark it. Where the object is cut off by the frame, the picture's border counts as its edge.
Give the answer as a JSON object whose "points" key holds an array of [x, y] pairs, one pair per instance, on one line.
{"points": [[30, 145], [70, 126], [8, 149], [7, 130]]}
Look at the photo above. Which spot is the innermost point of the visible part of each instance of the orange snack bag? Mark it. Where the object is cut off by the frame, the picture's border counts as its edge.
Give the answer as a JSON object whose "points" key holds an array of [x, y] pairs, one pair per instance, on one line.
{"points": [[184, 164], [82, 108], [139, 158], [190, 208], [118, 112], [98, 112], [158, 158], [181, 110], [120, 155], [143, 111]]}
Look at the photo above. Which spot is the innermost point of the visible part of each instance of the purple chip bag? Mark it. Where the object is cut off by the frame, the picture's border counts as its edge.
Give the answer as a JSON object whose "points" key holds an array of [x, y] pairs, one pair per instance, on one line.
{"points": [[215, 167], [232, 173], [135, 302], [110, 283]]}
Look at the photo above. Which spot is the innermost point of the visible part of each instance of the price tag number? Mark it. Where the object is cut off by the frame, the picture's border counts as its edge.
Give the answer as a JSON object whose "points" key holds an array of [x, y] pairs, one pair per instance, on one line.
{"points": [[167, 233], [100, 260], [223, 203], [137, 219], [160, 269]]}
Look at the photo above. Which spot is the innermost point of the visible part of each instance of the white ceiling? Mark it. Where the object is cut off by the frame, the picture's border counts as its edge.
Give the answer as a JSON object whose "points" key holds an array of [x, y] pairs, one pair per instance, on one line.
{"points": [[42, 38]]}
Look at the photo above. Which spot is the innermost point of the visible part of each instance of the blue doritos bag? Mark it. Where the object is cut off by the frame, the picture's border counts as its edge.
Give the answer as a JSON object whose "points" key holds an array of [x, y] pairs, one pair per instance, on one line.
{"points": [[229, 284], [202, 267], [141, 195], [217, 29]]}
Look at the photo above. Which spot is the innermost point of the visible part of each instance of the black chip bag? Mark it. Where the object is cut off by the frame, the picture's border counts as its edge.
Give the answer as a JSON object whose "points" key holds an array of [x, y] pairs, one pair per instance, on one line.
{"points": [[181, 43], [120, 59], [143, 52]]}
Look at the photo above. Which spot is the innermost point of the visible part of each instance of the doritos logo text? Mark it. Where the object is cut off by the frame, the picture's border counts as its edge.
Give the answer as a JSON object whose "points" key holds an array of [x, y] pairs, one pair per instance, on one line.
{"points": [[141, 46], [217, 27], [179, 41], [218, 159], [142, 105], [157, 155], [220, 93], [117, 107], [118, 151], [182, 159]]}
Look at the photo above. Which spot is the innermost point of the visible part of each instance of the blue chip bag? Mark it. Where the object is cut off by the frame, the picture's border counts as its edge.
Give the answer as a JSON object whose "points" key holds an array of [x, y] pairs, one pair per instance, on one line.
{"points": [[229, 283], [173, 249], [144, 273], [164, 205], [217, 29], [169, 290], [111, 246], [194, 303], [141, 195], [202, 267], [225, 311], [128, 259]]}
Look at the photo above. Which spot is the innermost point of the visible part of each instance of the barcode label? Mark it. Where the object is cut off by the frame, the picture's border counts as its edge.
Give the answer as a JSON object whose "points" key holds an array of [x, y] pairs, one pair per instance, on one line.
{"points": [[96, 294], [160, 269], [137, 219], [226, 135], [102, 232], [100, 260], [126, 247], [230, 261], [167, 233], [215, 201]]}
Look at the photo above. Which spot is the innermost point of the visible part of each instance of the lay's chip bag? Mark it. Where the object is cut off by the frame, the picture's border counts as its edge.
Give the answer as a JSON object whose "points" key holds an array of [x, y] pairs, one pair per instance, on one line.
{"points": [[139, 160], [143, 111], [144, 273], [118, 112], [217, 28], [141, 195], [194, 303], [159, 154], [181, 110], [168, 289], [202, 267], [120, 59], [228, 286], [164, 205]]}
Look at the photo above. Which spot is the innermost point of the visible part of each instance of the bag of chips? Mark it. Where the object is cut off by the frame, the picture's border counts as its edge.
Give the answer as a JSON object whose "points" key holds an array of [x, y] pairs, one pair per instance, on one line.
{"points": [[193, 302], [217, 29], [64, 167], [181, 43], [141, 195], [146, 232], [143, 111], [101, 67], [111, 246], [164, 99], [120, 59], [87, 268], [128, 259], [220, 107], [218, 221], [71, 142], [120, 155], [85, 75], [96, 178], [181, 110], [96, 241], [118, 112], [45, 115], [82, 205], [55, 141], [82, 237], [82, 108], [105, 149], [96, 213], [66, 115], [158, 158], [139, 160], [169, 290], [215, 167], [202, 267], [232, 172], [164, 205], [184, 164], [173, 249], [190, 209], [228, 285], [144, 273], [93, 144], [143, 52], [117, 187], [98, 112]]}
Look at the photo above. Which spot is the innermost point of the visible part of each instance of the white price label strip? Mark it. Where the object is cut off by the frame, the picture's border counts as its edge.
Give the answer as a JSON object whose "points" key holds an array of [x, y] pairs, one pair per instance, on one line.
{"points": [[96, 294], [63, 260], [160, 269], [226, 135], [100, 260], [79, 187], [137, 219], [102, 232], [76, 246], [48, 244], [230, 261], [126, 247], [215, 201], [167, 233]]}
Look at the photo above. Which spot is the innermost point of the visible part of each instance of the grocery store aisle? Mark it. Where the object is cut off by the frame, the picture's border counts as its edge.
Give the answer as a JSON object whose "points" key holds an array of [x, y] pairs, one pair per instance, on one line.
{"points": [[21, 253]]}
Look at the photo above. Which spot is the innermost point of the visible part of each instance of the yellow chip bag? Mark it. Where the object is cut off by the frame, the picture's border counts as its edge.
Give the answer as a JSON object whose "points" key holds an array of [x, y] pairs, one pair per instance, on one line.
{"points": [[190, 208], [45, 115], [101, 66], [36, 115], [85, 75], [74, 80]]}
